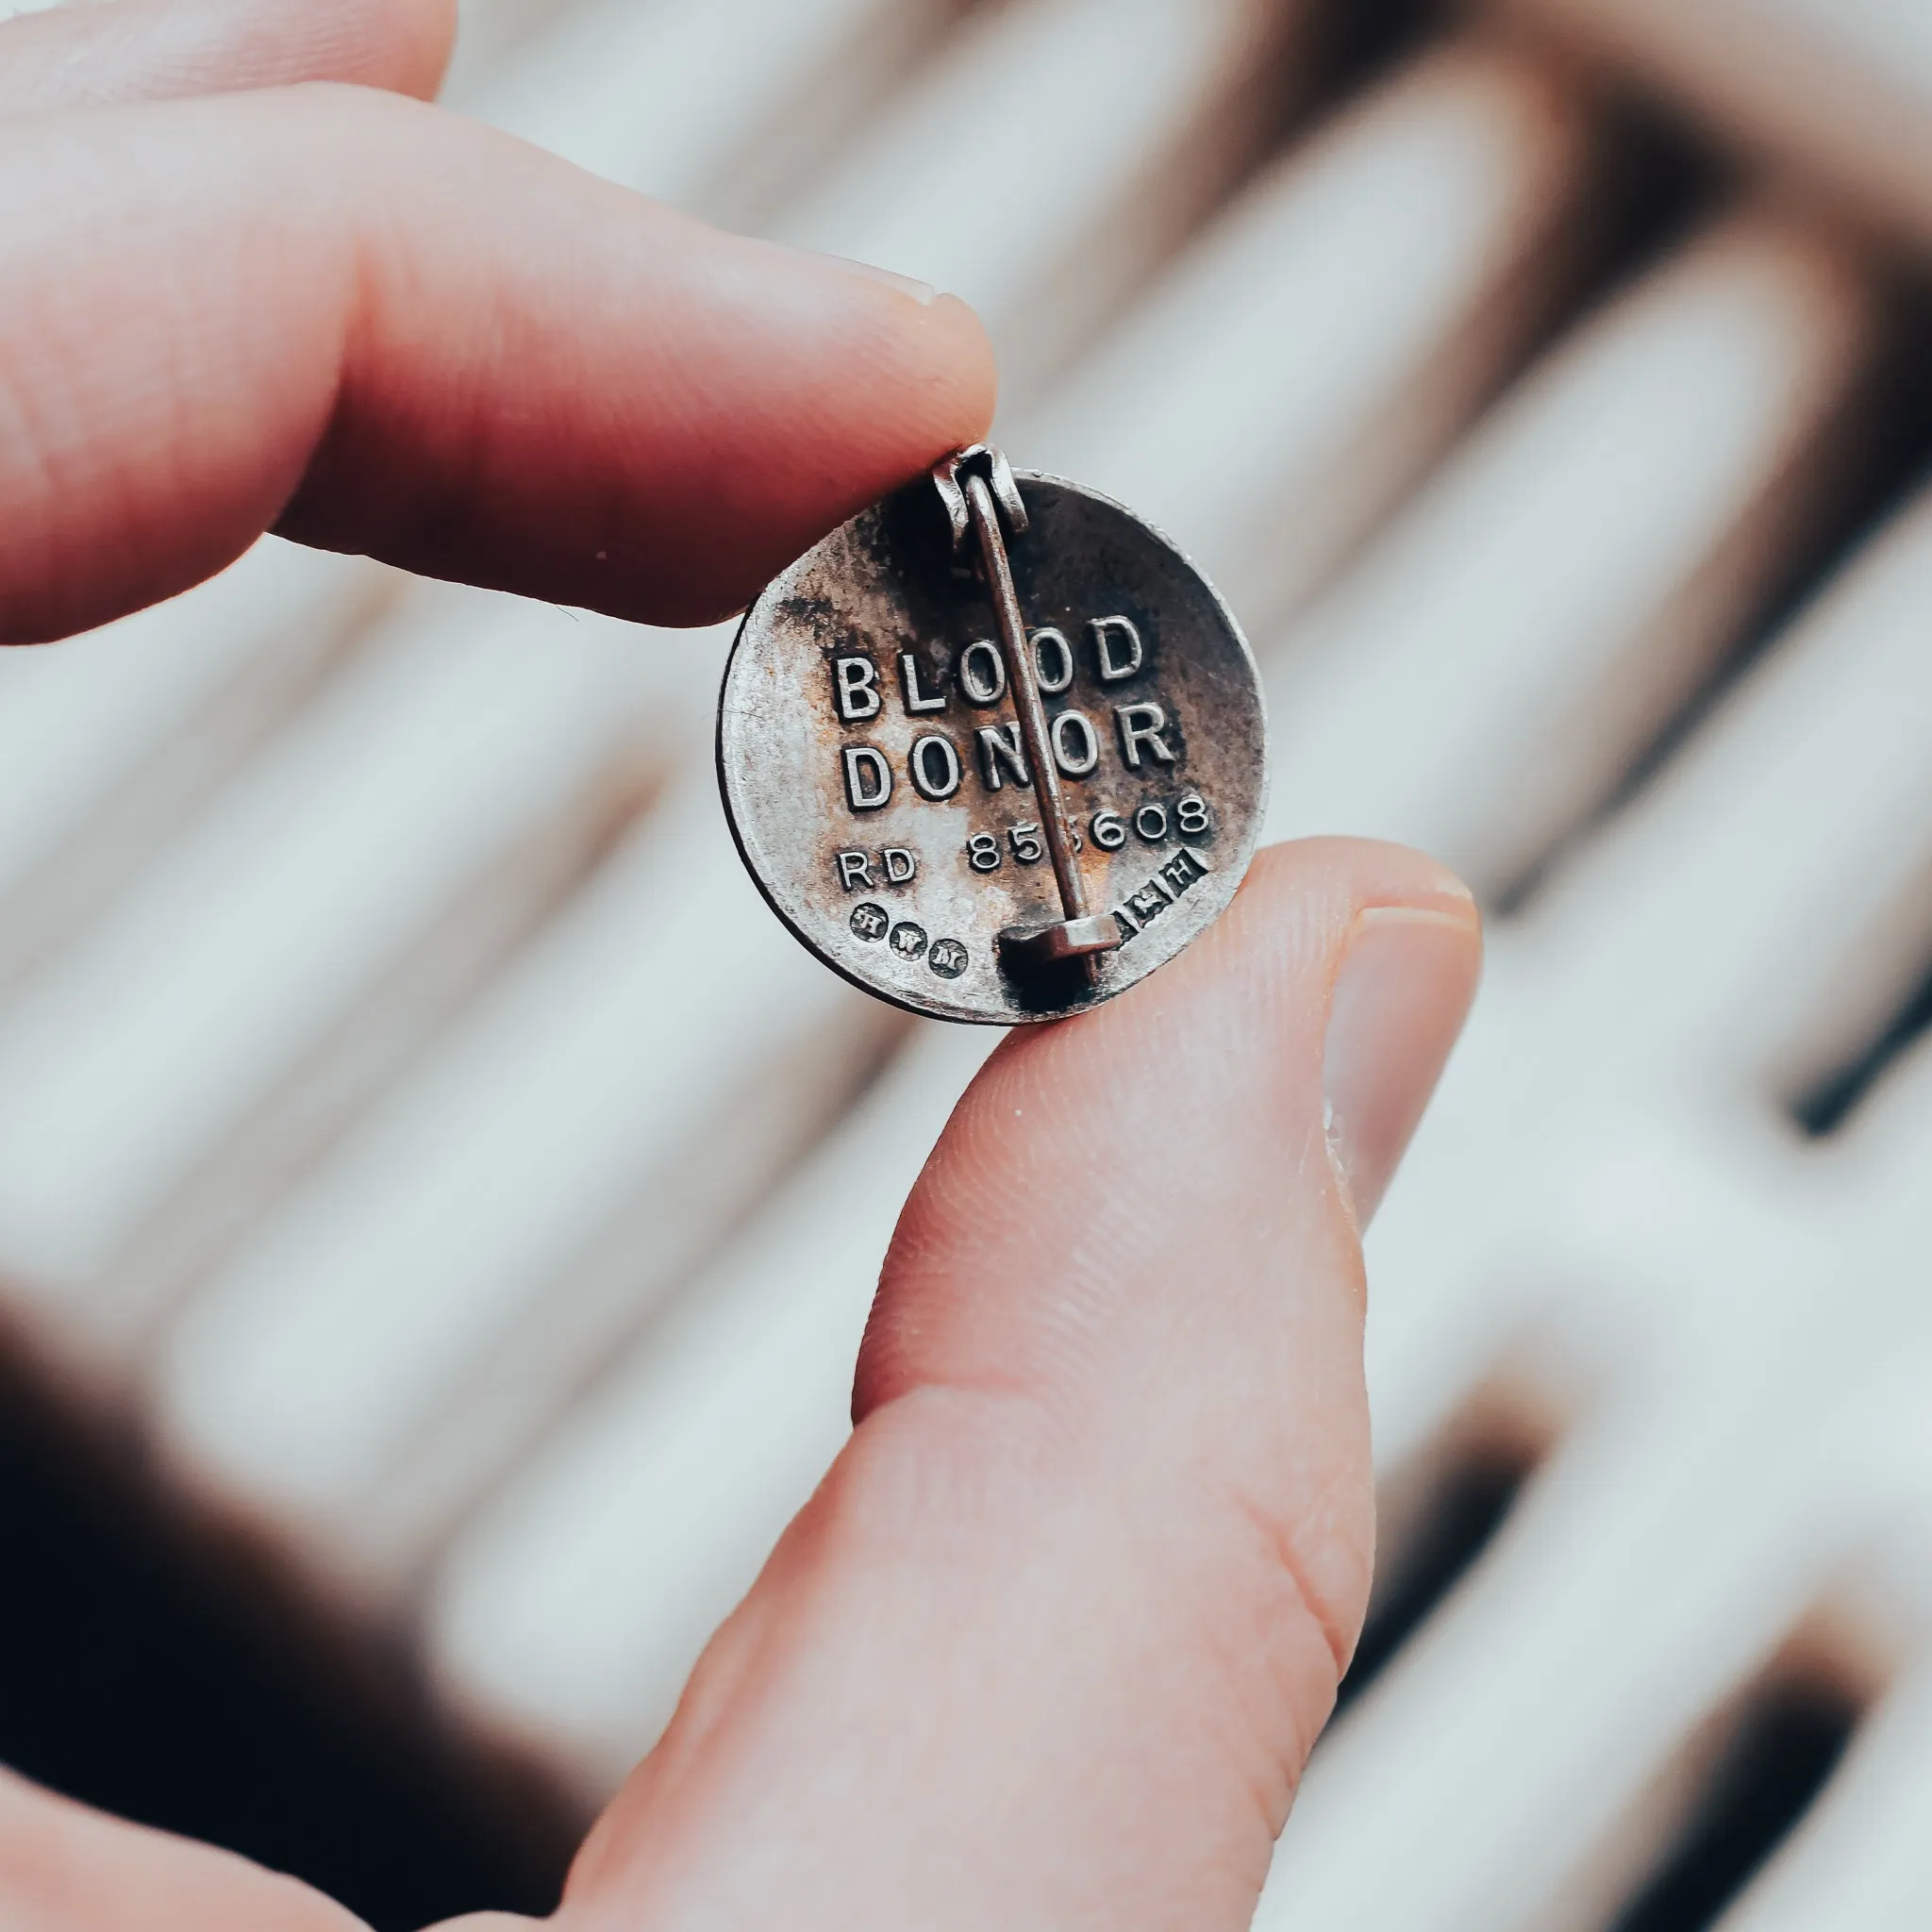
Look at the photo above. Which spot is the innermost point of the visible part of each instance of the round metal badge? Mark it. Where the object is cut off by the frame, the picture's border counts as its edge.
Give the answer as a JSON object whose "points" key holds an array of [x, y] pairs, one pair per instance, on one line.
{"points": [[994, 750]]}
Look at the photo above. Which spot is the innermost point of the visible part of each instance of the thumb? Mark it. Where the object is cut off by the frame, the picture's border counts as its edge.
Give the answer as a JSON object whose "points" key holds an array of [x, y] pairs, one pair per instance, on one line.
{"points": [[1052, 1643]]}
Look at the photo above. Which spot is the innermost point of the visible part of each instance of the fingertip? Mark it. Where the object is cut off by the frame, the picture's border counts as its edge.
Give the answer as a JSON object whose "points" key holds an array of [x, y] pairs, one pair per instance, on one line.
{"points": [[927, 382], [965, 352], [426, 39], [829, 383], [395, 46], [1389, 965], [1345, 875], [919, 378], [1401, 996]]}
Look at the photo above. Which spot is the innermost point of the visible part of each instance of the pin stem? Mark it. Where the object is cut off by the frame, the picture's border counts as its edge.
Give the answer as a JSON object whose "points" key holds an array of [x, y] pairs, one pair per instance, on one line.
{"points": [[1026, 687]]}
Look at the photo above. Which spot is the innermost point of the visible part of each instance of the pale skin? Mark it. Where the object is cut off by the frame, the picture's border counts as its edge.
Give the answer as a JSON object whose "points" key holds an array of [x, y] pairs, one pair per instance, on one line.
{"points": [[1051, 1644]]}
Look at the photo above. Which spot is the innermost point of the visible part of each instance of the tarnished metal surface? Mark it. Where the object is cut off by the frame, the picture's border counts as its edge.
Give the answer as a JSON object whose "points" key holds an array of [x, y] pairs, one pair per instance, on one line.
{"points": [[876, 774]]}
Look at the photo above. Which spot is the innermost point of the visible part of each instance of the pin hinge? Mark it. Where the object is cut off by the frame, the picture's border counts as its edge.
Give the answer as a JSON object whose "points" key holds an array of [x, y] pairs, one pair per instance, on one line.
{"points": [[981, 459]]}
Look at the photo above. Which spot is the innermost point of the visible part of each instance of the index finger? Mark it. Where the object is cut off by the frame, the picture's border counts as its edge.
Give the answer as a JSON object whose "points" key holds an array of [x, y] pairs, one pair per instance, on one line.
{"points": [[380, 328]]}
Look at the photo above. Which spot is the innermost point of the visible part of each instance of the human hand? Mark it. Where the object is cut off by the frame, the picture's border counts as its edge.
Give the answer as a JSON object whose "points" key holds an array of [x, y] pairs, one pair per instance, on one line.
{"points": [[1052, 1642], [374, 326]]}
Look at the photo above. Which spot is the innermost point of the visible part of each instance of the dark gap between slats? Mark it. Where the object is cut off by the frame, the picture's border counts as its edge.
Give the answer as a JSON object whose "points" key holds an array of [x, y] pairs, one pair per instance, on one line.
{"points": [[1472, 1500], [1881, 467], [1825, 1107], [1786, 1745], [139, 1677], [1357, 39]]}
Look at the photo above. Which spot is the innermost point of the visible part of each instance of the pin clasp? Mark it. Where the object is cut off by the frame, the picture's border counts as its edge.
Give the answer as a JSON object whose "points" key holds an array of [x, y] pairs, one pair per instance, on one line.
{"points": [[1040, 948]]}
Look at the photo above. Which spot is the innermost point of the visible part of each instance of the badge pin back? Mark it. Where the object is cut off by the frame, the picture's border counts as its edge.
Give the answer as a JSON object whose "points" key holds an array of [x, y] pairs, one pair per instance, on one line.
{"points": [[994, 750]]}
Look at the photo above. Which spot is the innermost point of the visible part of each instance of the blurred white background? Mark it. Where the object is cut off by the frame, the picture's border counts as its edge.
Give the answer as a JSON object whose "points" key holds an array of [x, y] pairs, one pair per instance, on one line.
{"points": [[447, 1287]]}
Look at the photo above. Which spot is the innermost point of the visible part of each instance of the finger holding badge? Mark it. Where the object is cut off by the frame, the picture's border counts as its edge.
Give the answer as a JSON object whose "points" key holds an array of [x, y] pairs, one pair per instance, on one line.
{"points": [[995, 749]]}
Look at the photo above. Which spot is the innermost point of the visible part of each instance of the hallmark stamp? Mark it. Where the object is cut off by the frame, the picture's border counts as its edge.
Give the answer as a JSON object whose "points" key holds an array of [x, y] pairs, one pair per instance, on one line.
{"points": [[1185, 870]]}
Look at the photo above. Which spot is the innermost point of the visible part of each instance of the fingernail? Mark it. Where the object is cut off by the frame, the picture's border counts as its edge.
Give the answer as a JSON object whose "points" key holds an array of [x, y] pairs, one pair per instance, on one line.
{"points": [[1400, 1000], [920, 291]]}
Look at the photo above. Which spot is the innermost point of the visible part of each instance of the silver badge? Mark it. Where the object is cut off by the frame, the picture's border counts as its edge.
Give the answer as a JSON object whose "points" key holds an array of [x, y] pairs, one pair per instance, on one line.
{"points": [[994, 750]]}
